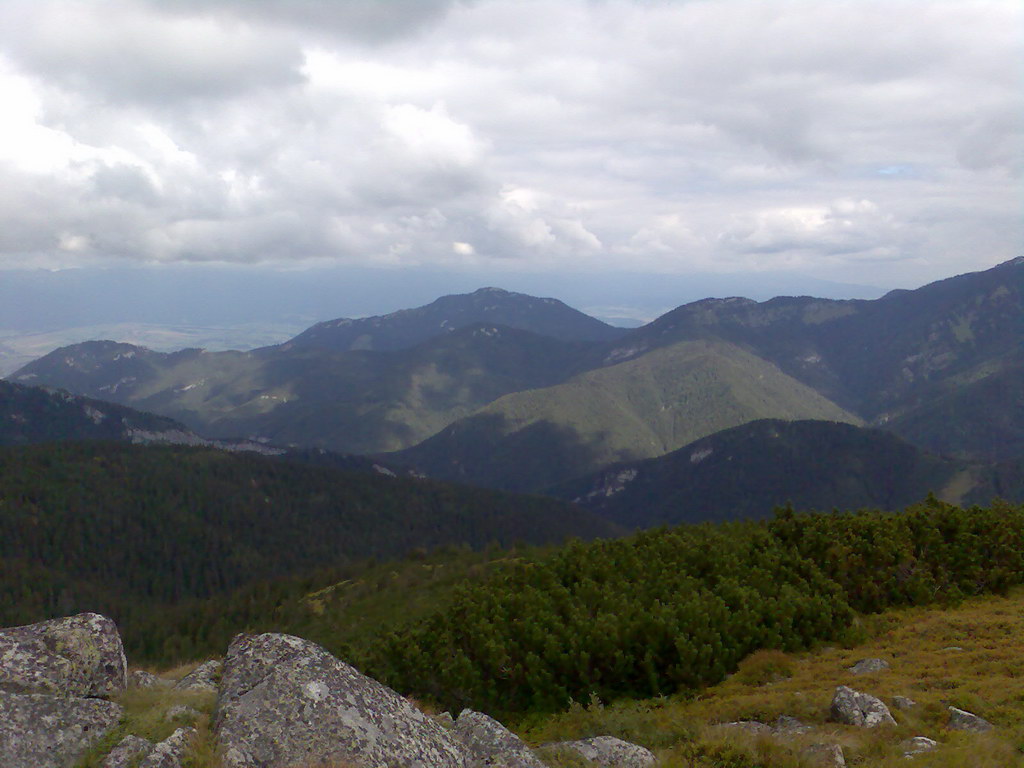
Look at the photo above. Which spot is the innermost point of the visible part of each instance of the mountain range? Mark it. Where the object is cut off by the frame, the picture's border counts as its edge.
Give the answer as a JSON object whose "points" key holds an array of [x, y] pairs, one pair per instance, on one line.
{"points": [[507, 390]]}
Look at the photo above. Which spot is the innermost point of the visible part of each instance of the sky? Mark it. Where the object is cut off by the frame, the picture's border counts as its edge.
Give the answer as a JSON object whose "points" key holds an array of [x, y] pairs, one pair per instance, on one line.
{"points": [[865, 142]]}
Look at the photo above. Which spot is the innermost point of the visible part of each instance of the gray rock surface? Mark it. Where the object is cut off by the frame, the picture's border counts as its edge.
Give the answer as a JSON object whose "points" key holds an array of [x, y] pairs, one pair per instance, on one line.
{"points": [[285, 701], [903, 703], [492, 743], [960, 720], [39, 731], [867, 666], [171, 751], [790, 726], [73, 656], [125, 754], [854, 708], [608, 752], [202, 678], [917, 745]]}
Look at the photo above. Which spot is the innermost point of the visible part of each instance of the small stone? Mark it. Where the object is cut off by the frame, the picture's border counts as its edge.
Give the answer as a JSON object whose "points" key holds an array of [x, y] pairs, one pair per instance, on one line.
{"points": [[917, 745], [952, 648], [171, 751], [608, 752], [140, 678], [903, 703], [790, 726], [493, 742], [960, 720], [854, 708], [869, 666], [205, 677], [445, 719], [750, 726], [127, 752]]}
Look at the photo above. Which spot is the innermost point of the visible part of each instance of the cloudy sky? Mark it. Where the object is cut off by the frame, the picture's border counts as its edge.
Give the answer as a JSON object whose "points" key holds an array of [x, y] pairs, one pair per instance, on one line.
{"points": [[853, 140]]}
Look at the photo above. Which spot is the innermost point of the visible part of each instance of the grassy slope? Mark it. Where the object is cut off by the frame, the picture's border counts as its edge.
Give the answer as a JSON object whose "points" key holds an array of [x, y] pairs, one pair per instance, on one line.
{"points": [[634, 410], [985, 677]]}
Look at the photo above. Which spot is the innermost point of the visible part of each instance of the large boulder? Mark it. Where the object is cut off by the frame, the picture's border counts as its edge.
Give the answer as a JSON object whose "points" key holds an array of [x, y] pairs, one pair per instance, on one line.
{"points": [[285, 701], [39, 731], [492, 743], [608, 752], [74, 656], [854, 708]]}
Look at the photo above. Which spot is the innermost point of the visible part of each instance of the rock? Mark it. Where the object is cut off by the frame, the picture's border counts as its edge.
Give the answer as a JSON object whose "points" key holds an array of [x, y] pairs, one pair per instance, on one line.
{"points": [[959, 720], [39, 731], [492, 743], [182, 712], [917, 745], [127, 752], [903, 703], [854, 708], [140, 678], [74, 656], [608, 752], [202, 678], [171, 751], [285, 701], [790, 726], [751, 726], [445, 719], [868, 666], [824, 755]]}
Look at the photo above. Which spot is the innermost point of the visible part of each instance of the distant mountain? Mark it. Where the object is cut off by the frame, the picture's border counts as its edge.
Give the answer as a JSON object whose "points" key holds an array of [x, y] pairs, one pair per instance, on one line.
{"points": [[637, 409], [409, 327], [358, 402], [885, 360], [35, 415], [746, 471]]}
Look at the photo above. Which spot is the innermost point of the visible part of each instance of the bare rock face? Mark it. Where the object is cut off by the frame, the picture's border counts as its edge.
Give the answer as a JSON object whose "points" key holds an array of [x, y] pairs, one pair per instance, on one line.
{"points": [[171, 751], [202, 678], [39, 731], [285, 701], [960, 720], [609, 752], [74, 656], [127, 752], [854, 708], [492, 743]]}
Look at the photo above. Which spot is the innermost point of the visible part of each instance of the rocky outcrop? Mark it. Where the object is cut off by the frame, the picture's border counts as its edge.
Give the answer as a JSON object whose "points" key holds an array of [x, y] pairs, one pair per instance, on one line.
{"points": [[202, 678], [40, 731], [960, 720], [854, 708], [869, 666], [74, 656], [285, 701], [127, 753], [608, 752], [492, 744], [170, 752]]}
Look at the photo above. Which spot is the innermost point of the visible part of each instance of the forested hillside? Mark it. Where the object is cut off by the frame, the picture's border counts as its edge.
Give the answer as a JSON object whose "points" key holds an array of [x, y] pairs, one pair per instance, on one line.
{"points": [[125, 529]]}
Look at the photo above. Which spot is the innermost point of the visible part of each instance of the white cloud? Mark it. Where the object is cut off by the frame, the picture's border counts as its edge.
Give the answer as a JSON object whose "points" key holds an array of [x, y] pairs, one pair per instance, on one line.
{"points": [[723, 135]]}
